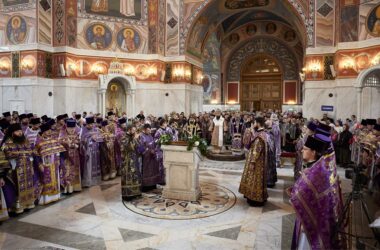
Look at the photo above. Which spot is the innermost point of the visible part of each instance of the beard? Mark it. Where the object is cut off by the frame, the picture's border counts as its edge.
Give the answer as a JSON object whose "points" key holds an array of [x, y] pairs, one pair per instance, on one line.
{"points": [[19, 139], [218, 117], [256, 128]]}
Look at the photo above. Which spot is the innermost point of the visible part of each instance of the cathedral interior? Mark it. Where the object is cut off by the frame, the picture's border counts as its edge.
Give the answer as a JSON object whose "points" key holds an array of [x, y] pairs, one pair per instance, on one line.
{"points": [[119, 57]]}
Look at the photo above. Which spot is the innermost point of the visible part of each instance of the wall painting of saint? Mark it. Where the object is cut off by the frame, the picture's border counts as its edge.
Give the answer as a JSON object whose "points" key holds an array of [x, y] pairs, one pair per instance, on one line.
{"points": [[16, 29], [373, 22], [98, 36], [128, 39]]}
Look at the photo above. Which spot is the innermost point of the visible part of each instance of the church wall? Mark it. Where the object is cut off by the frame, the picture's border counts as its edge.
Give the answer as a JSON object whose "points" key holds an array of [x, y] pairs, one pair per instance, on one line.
{"points": [[27, 95], [167, 98], [172, 27]]}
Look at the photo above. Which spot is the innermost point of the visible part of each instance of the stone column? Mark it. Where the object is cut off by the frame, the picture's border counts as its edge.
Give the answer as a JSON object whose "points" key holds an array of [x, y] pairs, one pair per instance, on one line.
{"points": [[130, 93], [102, 101], [359, 103]]}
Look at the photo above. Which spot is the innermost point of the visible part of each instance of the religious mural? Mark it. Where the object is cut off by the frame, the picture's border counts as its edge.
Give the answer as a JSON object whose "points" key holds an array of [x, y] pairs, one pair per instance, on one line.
{"points": [[271, 28], [239, 4], [290, 36], [251, 29], [211, 68], [373, 22], [128, 39], [349, 23], [116, 98], [114, 8], [16, 29], [98, 36]]}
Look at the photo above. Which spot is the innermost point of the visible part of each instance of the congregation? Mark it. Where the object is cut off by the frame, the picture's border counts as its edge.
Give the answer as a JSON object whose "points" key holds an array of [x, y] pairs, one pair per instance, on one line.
{"points": [[44, 158]]}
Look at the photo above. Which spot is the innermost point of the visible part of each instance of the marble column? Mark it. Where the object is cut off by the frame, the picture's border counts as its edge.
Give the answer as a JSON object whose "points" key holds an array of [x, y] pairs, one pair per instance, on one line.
{"points": [[131, 96], [102, 101], [359, 103]]}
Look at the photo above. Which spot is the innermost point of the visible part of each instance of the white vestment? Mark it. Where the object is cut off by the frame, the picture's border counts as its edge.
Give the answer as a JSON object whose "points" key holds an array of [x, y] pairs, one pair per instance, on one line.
{"points": [[219, 124], [127, 7]]}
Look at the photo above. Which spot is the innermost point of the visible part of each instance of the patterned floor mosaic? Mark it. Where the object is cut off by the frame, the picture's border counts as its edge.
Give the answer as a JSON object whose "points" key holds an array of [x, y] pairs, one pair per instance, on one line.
{"points": [[215, 199]]}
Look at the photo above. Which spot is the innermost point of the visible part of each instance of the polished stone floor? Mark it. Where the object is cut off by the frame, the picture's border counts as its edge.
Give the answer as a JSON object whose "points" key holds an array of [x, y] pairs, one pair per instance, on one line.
{"points": [[96, 218]]}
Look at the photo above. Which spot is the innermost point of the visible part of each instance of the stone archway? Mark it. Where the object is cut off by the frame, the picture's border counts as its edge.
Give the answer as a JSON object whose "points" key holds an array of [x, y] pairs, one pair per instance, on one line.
{"points": [[283, 54], [129, 86], [306, 16], [368, 80]]}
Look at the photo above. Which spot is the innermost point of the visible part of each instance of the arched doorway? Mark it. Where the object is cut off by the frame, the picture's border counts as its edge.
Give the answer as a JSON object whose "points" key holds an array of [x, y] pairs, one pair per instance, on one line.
{"points": [[116, 98], [117, 91], [368, 93], [260, 84]]}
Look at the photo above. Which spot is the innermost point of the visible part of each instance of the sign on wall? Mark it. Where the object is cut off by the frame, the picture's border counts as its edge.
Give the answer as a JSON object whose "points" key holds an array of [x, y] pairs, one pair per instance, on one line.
{"points": [[327, 108]]}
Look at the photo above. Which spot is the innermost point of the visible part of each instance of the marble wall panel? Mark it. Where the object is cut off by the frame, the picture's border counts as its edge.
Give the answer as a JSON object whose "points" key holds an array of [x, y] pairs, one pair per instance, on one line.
{"points": [[44, 23], [325, 19], [172, 27]]}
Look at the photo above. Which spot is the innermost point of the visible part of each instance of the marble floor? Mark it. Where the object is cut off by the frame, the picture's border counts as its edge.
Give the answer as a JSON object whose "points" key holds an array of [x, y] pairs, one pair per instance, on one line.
{"points": [[96, 218]]}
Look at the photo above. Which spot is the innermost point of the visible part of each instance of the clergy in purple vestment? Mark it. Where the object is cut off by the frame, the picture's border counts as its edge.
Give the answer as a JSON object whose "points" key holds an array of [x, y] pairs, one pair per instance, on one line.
{"points": [[150, 165], [173, 126], [316, 200], [237, 128], [31, 133], [24, 121], [271, 156], [159, 154], [90, 139], [277, 138], [120, 133]]}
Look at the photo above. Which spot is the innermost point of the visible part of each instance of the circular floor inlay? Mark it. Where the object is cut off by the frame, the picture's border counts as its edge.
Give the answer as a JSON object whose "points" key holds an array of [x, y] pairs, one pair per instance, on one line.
{"points": [[214, 200]]}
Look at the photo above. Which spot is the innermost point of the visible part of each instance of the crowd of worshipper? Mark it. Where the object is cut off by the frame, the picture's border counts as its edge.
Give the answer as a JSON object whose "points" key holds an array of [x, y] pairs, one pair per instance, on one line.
{"points": [[42, 158]]}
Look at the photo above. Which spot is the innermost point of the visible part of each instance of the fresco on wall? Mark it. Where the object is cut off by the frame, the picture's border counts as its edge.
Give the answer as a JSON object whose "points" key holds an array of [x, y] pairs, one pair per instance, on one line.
{"points": [[114, 8], [349, 23], [325, 19], [98, 36], [172, 27], [16, 29], [373, 22], [128, 39], [211, 68], [241, 4]]}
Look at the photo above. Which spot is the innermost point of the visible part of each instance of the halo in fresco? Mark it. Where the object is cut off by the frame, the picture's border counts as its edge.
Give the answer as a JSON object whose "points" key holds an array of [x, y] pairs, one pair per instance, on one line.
{"points": [[128, 39], [17, 29], [373, 21], [98, 36]]}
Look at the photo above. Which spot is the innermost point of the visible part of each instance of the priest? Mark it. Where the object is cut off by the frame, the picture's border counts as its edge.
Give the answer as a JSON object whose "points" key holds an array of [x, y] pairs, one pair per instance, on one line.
{"points": [[107, 152], [49, 150], [150, 166], [71, 174], [217, 129], [19, 189], [130, 178], [253, 183], [315, 198], [90, 139]]}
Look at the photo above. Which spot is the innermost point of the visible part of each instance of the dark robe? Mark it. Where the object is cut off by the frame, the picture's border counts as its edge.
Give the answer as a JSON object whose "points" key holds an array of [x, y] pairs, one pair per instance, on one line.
{"points": [[159, 153], [91, 171], [150, 165], [130, 175], [253, 183], [271, 160]]}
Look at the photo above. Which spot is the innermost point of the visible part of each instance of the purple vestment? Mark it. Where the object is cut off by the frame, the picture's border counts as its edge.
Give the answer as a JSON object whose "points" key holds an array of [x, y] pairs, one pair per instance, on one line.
{"points": [[317, 202], [159, 153], [90, 140], [150, 165]]}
